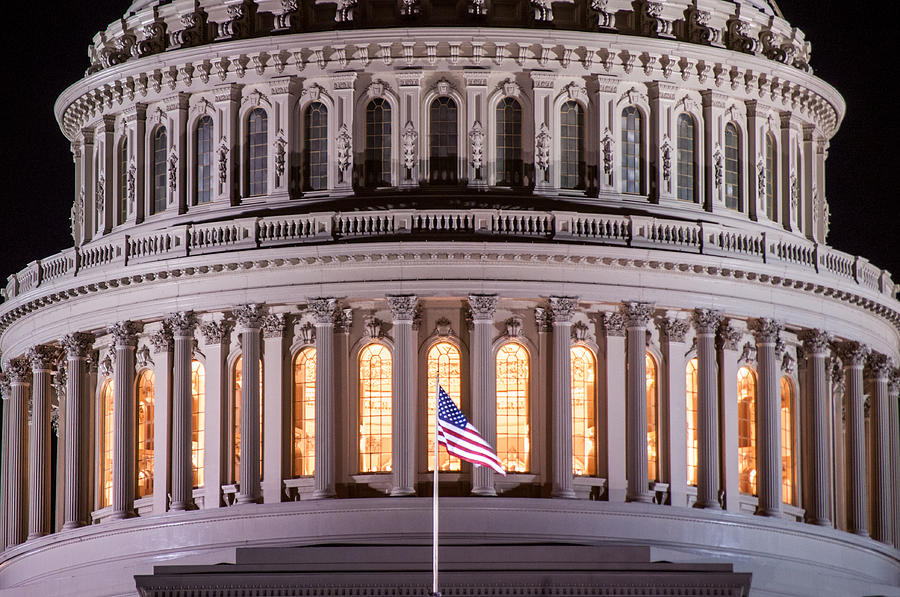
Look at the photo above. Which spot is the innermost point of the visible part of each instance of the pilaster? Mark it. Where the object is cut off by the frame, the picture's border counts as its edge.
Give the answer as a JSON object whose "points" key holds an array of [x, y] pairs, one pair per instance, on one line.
{"points": [[714, 148], [282, 171], [663, 153], [105, 184], [789, 175], [136, 127], [477, 129], [84, 201], [484, 395], [606, 106], [177, 161], [410, 88], [757, 124], [343, 86], [227, 144], [545, 159]]}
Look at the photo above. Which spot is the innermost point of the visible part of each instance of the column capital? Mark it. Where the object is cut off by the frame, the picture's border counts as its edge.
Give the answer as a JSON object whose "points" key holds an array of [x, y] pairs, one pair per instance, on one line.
{"points": [[482, 306], [613, 323], [894, 382], [766, 330], [853, 353], [343, 320], [879, 366], [672, 329], [216, 332], [275, 324], [162, 339], [637, 314], [403, 306], [77, 344], [5, 387], [250, 315], [123, 333], [543, 320], [322, 309], [41, 356], [729, 335], [563, 307], [18, 370], [706, 321], [182, 323], [815, 341]]}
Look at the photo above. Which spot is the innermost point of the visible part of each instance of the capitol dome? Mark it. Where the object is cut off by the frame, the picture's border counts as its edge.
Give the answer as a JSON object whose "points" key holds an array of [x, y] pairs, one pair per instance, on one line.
{"points": [[602, 223]]}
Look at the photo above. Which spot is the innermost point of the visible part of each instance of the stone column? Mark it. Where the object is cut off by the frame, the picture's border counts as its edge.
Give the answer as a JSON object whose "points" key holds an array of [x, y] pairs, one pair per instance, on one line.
{"points": [[182, 325], [216, 332], [16, 451], [880, 368], [6, 390], [403, 309], [124, 421], [250, 321], [58, 428], [672, 333], [484, 395], [323, 310], [893, 391], [77, 399], [160, 335], [562, 307], [41, 358], [815, 346], [768, 418], [615, 406], [637, 316], [854, 356], [729, 343], [275, 412], [706, 323], [835, 371]]}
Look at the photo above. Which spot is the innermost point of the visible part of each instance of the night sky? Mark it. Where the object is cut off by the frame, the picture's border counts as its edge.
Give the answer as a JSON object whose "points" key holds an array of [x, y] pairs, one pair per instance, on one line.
{"points": [[850, 51]]}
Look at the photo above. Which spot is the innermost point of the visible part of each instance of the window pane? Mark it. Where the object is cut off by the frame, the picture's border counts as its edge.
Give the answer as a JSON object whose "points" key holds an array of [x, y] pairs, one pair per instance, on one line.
{"points": [[106, 450], [315, 148], [690, 377], [378, 143], [204, 160], [746, 385], [571, 146], [652, 420], [787, 441], [122, 203], [513, 425], [732, 168], [145, 434], [258, 152], [198, 408], [584, 422], [303, 447], [443, 157], [771, 177], [375, 394], [631, 150], [443, 359], [509, 142], [686, 166], [237, 378], [160, 147]]}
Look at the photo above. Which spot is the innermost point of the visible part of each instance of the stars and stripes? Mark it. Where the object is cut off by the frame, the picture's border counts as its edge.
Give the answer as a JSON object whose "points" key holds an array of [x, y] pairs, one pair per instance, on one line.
{"points": [[461, 438]]}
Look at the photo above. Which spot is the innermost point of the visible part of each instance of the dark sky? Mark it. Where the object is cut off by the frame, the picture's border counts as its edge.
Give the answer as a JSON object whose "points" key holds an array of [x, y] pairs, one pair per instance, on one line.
{"points": [[862, 170]]}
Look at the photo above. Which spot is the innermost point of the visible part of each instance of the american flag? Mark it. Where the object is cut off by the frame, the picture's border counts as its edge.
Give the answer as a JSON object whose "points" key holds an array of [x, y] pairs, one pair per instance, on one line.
{"points": [[461, 438]]}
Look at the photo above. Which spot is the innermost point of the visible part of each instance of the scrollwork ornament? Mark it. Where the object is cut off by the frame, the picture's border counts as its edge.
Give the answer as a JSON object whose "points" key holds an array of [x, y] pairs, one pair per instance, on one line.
{"points": [[279, 145], [216, 332], [476, 142], [542, 147], [853, 353], [718, 165], [637, 314], [223, 161], [41, 357], [275, 324], [482, 306], [607, 143], [343, 320], [879, 366], [666, 151], [18, 370], [344, 11], [543, 320], [788, 364], [182, 323], [815, 342], [372, 327], [513, 327], [580, 331], [161, 340], [748, 354], [344, 148], [410, 143], [173, 171], [443, 328], [5, 387]]}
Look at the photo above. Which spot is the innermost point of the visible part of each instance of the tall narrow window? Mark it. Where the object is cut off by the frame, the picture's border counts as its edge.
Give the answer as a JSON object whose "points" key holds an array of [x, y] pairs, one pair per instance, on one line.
{"points": [[686, 165], [746, 386], [632, 181], [237, 384], [787, 441], [513, 416], [771, 178], [375, 392], [652, 419], [444, 149], [303, 445], [733, 199], [315, 147], [584, 425], [378, 143], [690, 378], [106, 449], [145, 434], [257, 152], [203, 160], [122, 198], [443, 360], [509, 142], [198, 408], [160, 147], [571, 146]]}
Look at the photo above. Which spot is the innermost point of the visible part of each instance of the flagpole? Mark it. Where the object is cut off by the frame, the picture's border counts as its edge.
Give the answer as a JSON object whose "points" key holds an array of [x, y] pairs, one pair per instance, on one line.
{"points": [[434, 538]]}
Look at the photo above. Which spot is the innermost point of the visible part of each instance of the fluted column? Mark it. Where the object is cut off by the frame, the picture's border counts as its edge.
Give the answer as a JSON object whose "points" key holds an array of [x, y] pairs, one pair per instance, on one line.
{"points": [[58, 428], [706, 323], [672, 335], [76, 477], [6, 391], [615, 408], [403, 310], [729, 338], [160, 336], [124, 421], [484, 397], [216, 332], [854, 356], [879, 369], [182, 325], [323, 310], [250, 320], [768, 418], [815, 346], [637, 316], [275, 409], [17, 505], [562, 307], [41, 358], [893, 391]]}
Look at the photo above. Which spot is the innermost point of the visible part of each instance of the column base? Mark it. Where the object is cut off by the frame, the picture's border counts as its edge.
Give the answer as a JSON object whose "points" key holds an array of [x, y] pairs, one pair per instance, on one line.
{"points": [[861, 533], [641, 499], [121, 515], [564, 494], [402, 492], [323, 494], [769, 512], [484, 491], [247, 499], [707, 505], [35, 536], [67, 526], [822, 522]]}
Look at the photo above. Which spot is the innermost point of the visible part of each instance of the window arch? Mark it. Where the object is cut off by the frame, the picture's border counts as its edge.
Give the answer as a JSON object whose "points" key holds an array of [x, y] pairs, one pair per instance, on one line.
{"points": [[690, 378], [203, 160], [257, 152], [509, 142], [746, 386], [237, 384], [375, 409], [378, 143], [107, 437], [122, 198], [444, 360], [632, 148], [513, 416], [652, 417], [571, 145], [771, 178], [145, 403], [160, 147], [303, 442], [443, 141], [198, 409], [733, 193], [787, 440], [584, 419], [315, 147], [687, 167]]}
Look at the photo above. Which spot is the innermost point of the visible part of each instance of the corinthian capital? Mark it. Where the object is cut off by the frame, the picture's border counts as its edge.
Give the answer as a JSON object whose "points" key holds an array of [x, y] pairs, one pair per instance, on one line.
{"points": [[403, 306], [815, 341], [162, 339], [707, 320], [216, 332], [275, 324], [729, 336], [182, 323], [18, 371], [482, 306], [766, 330], [41, 356], [563, 307], [637, 314], [78, 344], [880, 366], [614, 324], [853, 353], [250, 315], [322, 309], [672, 329], [123, 333]]}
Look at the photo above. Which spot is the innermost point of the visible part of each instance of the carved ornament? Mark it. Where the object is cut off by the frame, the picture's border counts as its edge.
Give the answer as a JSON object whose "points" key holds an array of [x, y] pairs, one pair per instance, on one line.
{"points": [[482, 306]]}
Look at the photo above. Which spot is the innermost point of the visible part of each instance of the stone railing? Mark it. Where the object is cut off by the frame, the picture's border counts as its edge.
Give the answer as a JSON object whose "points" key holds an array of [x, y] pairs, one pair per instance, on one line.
{"points": [[762, 246]]}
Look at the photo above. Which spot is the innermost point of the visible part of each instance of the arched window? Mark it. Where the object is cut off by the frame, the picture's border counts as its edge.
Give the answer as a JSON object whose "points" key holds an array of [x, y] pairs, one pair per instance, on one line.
{"points": [[771, 178], [584, 421], [733, 198], [303, 445], [571, 145], [690, 378], [632, 179], [257, 152], [513, 416], [375, 394], [746, 386], [160, 147], [107, 437], [687, 142], [443, 360], [122, 198], [198, 408], [378, 143], [444, 148], [787, 441], [652, 418], [145, 397], [237, 383], [203, 160], [509, 142], [315, 147]]}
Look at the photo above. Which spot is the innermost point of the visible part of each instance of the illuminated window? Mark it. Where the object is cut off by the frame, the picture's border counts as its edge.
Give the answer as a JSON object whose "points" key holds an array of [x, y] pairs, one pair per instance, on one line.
{"points": [[203, 160], [584, 423], [257, 152], [631, 150], [237, 378], [686, 167], [303, 448], [787, 441], [198, 408], [160, 147], [690, 377], [444, 145], [145, 434], [315, 147], [509, 142], [771, 178], [571, 146], [375, 395], [652, 420], [107, 395], [746, 390], [513, 425], [378, 143], [443, 360], [733, 199], [122, 202]]}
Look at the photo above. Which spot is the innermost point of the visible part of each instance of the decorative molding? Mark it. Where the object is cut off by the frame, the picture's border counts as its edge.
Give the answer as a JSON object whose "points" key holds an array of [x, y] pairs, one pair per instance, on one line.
{"points": [[372, 327], [161, 340], [476, 141], [542, 148], [323, 309], [543, 320], [41, 357], [729, 335], [250, 315], [182, 323], [706, 321], [614, 324], [343, 320], [766, 330], [879, 366], [672, 329], [482, 306], [275, 324], [409, 143], [636, 314], [443, 328], [513, 327], [403, 307], [124, 333], [852, 353], [563, 308]]}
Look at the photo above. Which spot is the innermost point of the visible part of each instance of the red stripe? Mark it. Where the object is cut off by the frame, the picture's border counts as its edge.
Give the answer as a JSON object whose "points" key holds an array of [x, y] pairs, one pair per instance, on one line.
{"points": [[481, 457], [475, 444]]}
